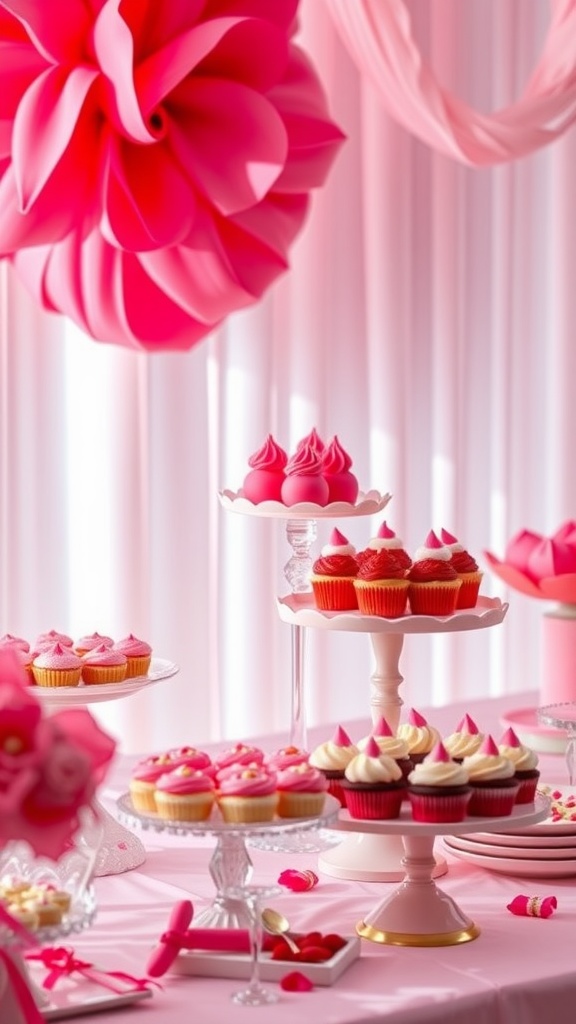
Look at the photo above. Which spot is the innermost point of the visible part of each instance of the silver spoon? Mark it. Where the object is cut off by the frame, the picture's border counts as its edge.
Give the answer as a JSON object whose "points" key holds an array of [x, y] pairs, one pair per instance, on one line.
{"points": [[276, 924]]}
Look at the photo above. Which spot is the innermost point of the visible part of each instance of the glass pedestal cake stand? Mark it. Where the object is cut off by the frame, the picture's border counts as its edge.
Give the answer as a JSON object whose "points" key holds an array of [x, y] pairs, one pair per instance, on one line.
{"points": [[562, 716], [370, 855], [230, 865], [120, 850], [418, 913], [301, 532]]}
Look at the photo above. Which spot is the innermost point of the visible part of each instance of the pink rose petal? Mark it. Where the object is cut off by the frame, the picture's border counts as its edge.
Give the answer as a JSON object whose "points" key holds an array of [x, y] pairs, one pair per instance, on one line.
{"points": [[296, 982]]}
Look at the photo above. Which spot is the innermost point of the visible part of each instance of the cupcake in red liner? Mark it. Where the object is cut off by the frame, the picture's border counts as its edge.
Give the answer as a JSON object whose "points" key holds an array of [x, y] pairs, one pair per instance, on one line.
{"points": [[301, 791], [434, 583], [438, 788], [389, 744], [386, 540], [467, 569], [381, 586], [525, 762], [418, 735], [267, 473], [493, 782], [333, 575], [335, 464], [465, 740], [331, 758], [373, 784]]}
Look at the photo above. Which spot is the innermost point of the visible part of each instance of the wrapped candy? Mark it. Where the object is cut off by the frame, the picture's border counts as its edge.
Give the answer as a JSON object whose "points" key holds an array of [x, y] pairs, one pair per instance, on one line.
{"points": [[533, 906]]}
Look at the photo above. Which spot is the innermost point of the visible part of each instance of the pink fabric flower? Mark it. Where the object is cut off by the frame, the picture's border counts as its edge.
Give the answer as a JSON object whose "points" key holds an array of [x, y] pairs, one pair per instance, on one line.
{"points": [[157, 159], [540, 566]]}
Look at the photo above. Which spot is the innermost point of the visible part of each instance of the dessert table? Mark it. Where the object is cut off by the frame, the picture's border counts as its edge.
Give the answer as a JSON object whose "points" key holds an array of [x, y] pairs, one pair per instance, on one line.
{"points": [[519, 969]]}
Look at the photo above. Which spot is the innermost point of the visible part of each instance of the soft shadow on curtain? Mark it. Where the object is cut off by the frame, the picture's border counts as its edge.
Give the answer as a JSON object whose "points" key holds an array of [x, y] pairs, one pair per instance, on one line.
{"points": [[425, 319]]}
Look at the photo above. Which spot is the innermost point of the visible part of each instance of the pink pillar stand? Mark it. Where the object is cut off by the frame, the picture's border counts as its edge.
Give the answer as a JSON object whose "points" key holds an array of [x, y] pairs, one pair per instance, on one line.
{"points": [[558, 655]]}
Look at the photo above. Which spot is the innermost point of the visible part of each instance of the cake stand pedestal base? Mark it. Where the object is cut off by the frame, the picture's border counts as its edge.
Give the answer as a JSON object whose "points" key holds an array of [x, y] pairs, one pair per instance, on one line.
{"points": [[371, 857]]}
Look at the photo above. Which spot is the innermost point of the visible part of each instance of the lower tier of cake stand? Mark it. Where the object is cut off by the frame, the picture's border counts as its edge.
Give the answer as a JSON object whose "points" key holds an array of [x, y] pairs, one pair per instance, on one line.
{"points": [[417, 912], [371, 857]]}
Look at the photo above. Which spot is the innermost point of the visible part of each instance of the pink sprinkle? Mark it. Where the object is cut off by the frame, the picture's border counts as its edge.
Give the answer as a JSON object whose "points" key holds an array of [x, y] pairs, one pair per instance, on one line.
{"points": [[381, 728], [489, 747], [337, 538], [385, 532], [448, 538], [341, 738], [432, 541], [415, 718], [557, 794], [372, 749], [467, 725], [439, 753], [510, 739]]}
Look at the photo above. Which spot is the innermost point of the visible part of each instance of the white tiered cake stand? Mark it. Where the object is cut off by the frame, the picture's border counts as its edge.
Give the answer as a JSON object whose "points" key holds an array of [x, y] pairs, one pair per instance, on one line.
{"points": [[371, 856], [120, 850]]}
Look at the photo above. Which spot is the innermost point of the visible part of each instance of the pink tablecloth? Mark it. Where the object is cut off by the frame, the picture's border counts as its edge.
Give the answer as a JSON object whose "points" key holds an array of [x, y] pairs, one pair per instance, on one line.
{"points": [[519, 970]]}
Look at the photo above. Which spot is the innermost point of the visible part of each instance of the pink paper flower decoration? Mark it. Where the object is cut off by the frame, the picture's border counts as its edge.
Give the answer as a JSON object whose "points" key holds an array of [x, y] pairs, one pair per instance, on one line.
{"points": [[540, 566], [156, 159]]}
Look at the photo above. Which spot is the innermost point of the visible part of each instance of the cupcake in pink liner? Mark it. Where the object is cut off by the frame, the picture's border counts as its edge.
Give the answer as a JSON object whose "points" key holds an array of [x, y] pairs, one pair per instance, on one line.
{"points": [[434, 583], [373, 784], [465, 740], [331, 758], [91, 642], [438, 788], [190, 756], [333, 575], [386, 540], [467, 569], [301, 791], [525, 762], [492, 777], [266, 476], [240, 754], [389, 744], [103, 665], [418, 735], [304, 480], [249, 796], [57, 666], [285, 757], [138, 654], [53, 637], [184, 794], [381, 586], [335, 464], [142, 785]]}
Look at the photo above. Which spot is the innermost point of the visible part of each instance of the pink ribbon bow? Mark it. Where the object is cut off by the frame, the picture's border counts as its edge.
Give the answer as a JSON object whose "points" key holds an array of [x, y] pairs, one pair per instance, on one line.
{"points": [[533, 906], [61, 963], [178, 936]]}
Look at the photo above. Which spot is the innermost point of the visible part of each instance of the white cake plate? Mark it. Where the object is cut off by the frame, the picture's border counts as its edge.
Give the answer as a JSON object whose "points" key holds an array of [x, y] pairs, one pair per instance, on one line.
{"points": [[418, 913]]}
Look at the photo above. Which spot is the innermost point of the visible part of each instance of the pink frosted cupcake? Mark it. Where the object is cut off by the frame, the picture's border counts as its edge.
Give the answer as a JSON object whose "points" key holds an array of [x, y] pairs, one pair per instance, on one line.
{"points": [[8, 640], [304, 480], [248, 796], [240, 755], [525, 762], [467, 568], [91, 642], [333, 575], [57, 666], [332, 758], [335, 465], [465, 740], [184, 794], [301, 791], [386, 540], [493, 781], [53, 637], [373, 784], [138, 655], [381, 586], [418, 735], [266, 476], [103, 665], [191, 757], [434, 583], [438, 788], [286, 757], [143, 781]]}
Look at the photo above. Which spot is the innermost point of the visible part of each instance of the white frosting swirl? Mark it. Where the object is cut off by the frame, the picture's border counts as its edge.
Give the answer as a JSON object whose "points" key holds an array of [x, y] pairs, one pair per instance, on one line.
{"points": [[442, 554], [483, 767], [463, 744], [418, 738], [363, 768], [332, 757], [337, 549], [522, 757], [438, 773]]}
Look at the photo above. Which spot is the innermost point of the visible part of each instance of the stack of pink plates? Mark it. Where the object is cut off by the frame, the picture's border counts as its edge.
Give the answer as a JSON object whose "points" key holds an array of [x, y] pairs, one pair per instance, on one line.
{"points": [[546, 850]]}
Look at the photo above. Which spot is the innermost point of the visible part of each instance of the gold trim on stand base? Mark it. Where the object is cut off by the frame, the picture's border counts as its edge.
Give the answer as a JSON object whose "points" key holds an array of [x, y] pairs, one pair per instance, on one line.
{"points": [[366, 931]]}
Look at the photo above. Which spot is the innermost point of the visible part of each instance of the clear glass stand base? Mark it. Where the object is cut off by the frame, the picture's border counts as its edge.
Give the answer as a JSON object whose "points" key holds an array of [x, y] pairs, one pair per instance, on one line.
{"points": [[120, 849]]}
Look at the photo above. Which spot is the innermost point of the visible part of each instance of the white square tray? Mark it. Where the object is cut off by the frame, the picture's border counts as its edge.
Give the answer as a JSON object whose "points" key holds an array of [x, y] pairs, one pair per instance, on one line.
{"points": [[238, 965]]}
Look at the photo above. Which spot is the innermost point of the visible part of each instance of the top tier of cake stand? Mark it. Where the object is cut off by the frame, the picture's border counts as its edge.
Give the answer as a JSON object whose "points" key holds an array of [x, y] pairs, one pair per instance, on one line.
{"points": [[367, 504]]}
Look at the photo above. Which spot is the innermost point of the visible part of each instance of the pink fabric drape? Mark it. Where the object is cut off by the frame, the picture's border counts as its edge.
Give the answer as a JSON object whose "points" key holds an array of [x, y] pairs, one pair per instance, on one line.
{"points": [[378, 34]]}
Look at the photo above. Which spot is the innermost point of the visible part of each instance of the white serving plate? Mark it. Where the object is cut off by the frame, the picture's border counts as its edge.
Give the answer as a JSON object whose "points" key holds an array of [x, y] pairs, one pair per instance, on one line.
{"points": [[521, 852], [367, 504], [515, 866], [239, 965], [525, 840], [89, 694]]}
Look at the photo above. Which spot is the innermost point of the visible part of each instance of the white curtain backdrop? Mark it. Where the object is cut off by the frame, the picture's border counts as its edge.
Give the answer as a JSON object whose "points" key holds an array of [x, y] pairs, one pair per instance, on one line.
{"points": [[427, 319]]}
